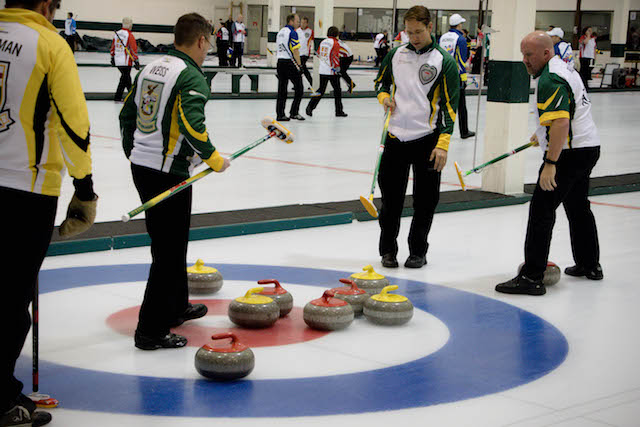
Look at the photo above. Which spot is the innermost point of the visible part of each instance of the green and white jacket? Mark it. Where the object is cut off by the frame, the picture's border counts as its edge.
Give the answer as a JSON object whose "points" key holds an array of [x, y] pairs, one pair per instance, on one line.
{"points": [[426, 88], [163, 122]]}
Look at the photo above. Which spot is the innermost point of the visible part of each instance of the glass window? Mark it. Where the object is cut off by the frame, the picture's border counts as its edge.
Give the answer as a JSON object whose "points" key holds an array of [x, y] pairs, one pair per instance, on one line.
{"points": [[601, 24], [564, 20], [346, 19], [374, 21], [633, 34]]}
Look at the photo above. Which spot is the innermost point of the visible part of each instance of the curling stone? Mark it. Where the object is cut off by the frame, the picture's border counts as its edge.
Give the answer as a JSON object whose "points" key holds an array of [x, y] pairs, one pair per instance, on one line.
{"points": [[388, 309], [279, 295], [351, 294], [229, 362], [551, 273], [203, 279], [254, 311], [370, 281], [328, 313]]}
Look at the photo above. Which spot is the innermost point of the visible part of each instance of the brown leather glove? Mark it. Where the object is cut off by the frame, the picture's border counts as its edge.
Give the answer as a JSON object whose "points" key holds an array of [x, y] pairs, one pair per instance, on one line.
{"points": [[82, 210]]}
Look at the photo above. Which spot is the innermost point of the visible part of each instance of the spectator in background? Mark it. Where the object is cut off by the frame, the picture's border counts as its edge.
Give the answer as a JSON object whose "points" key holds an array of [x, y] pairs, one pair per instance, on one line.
{"points": [[222, 43], [562, 48], [238, 33], [346, 58], [587, 55], [305, 36], [381, 46], [402, 37], [70, 31], [124, 55]]}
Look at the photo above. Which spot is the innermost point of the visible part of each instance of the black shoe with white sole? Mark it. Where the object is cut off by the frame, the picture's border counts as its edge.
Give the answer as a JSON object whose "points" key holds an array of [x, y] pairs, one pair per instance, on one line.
{"points": [[522, 285], [591, 274], [170, 340]]}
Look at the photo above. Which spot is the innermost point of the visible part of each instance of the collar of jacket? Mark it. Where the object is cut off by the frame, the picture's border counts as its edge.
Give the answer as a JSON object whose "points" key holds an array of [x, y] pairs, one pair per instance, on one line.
{"points": [[186, 58], [23, 16], [427, 48]]}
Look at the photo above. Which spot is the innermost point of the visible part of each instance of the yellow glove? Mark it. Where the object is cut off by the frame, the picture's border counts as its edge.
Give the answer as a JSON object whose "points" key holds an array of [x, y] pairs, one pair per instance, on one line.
{"points": [[80, 217]]}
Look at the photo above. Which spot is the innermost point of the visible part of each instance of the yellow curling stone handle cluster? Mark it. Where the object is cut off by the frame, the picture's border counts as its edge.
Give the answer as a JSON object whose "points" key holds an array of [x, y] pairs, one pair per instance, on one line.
{"points": [[251, 298], [200, 268], [384, 296], [369, 274]]}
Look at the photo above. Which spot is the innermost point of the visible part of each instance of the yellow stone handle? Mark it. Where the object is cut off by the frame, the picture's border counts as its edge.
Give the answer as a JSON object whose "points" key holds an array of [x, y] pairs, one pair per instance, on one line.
{"points": [[387, 289], [252, 291], [199, 265], [368, 269]]}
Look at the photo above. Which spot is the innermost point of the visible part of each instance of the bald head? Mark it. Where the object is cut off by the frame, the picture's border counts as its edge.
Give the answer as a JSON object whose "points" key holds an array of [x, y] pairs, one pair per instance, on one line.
{"points": [[537, 50]]}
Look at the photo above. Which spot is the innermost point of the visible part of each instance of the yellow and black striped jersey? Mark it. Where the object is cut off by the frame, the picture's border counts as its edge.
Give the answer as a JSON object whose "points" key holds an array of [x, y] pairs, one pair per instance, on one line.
{"points": [[44, 123]]}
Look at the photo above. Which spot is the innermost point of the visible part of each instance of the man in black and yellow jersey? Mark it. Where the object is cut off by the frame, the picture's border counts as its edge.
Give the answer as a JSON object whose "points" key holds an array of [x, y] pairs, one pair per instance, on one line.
{"points": [[164, 136], [44, 126], [571, 145], [419, 83]]}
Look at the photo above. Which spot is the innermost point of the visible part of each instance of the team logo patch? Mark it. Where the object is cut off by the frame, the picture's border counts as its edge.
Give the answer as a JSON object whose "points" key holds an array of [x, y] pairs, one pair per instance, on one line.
{"points": [[427, 73], [151, 94], [5, 115]]}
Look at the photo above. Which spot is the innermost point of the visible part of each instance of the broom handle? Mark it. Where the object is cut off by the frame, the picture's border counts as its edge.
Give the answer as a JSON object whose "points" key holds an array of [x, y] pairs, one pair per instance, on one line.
{"points": [[501, 157]]}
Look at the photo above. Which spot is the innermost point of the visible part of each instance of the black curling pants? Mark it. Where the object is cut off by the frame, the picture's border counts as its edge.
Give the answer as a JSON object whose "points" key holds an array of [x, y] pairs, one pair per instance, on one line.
{"points": [[337, 93], [28, 218], [167, 293], [463, 117], [345, 63], [572, 176], [287, 71], [124, 83], [305, 70], [397, 158]]}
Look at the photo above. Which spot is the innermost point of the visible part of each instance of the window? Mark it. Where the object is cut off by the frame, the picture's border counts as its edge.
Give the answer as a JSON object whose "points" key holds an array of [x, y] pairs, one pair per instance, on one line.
{"points": [[564, 20], [441, 23], [601, 24], [633, 34], [374, 21], [346, 19]]}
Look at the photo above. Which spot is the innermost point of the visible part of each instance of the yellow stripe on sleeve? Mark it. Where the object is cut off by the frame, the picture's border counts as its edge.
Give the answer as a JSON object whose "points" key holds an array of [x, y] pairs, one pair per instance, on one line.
{"points": [[452, 113], [548, 101], [434, 102], [203, 137], [443, 141], [547, 118]]}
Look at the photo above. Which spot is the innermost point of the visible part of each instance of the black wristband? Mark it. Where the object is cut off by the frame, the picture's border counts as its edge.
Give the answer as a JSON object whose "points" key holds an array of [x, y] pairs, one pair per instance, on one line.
{"points": [[84, 188], [551, 162]]}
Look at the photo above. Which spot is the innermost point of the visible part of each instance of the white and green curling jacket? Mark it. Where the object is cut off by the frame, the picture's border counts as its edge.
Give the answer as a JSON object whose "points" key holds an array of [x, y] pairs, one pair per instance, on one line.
{"points": [[426, 88], [163, 122]]}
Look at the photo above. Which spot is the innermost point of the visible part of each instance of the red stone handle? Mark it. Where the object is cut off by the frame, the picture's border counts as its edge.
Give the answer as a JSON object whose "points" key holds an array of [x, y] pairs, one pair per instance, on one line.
{"points": [[269, 282], [328, 295], [224, 335], [351, 283]]}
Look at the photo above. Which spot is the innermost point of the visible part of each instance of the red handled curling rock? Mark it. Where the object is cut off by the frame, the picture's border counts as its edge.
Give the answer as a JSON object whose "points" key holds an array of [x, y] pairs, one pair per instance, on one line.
{"points": [[328, 313], [388, 309], [351, 294], [228, 362], [202, 279], [551, 273], [370, 281], [254, 311], [279, 295]]}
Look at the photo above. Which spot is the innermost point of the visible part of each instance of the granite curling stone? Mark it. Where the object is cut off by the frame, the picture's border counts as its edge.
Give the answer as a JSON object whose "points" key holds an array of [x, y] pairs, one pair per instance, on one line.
{"points": [[279, 295], [328, 313], [370, 281], [254, 311], [551, 273], [202, 279], [351, 294], [388, 309], [227, 362]]}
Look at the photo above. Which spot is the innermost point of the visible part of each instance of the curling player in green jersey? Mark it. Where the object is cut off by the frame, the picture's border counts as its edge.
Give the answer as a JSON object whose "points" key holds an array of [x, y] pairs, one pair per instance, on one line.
{"points": [[164, 136], [571, 145], [419, 83]]}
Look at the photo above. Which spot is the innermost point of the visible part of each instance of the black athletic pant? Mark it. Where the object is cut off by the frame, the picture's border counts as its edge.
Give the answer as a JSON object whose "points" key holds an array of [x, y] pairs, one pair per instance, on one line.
{"points": [[585, 71], [28, 223], [236, 58], [287, 71], [397, 159], [462, 109], [379, 56], [337, 93], [345, 63], [125, 82], [305, 70], [166, 295], [572, 176], [223, 52]]}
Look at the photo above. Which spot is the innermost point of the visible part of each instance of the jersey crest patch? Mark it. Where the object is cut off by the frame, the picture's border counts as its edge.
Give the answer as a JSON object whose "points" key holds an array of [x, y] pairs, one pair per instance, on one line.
{"points": [[151, 94], [5, 115], [427, 73]]}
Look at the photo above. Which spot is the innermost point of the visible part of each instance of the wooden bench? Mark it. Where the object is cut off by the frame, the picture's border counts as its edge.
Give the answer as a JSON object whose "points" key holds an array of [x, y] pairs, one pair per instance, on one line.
{"points": [[236, 75]]}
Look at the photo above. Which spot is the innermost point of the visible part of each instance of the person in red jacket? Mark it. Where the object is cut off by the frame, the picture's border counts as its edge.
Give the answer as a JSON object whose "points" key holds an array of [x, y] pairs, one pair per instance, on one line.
{"points": [[124, 55]]}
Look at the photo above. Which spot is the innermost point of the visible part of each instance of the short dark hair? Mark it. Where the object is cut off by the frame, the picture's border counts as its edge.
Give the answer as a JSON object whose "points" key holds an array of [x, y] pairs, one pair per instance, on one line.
{"points": [[418, 13], [304, 18], [31, 4], [291, 17], [190, 28], [333, 32]]}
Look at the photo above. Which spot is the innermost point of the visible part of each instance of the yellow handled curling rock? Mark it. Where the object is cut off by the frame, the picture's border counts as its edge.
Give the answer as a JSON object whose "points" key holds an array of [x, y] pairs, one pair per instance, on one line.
{"points": [[351, 294], [551, 273], [388, 309], [203, 280], [328, 313], [254, 311], [224, 363], [370, 281], [279, 295]]}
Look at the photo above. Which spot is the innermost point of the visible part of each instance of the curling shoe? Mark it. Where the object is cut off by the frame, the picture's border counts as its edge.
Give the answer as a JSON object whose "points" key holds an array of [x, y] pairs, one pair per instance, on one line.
{"points": [[468, 135], [578, 271], [282, 119], [193, 311], [170, 340], [297, 117], [20, 416], [389, 261], [522, 285], [309, 112], [414, 261], [341, 114]]}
